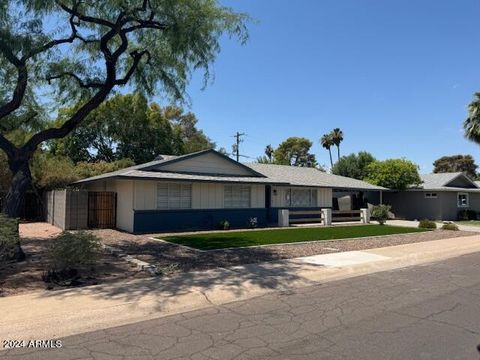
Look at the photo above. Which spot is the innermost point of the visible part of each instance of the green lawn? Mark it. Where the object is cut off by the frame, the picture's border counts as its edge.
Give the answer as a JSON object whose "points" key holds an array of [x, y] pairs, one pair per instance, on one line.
{"points": [[210, 241]]}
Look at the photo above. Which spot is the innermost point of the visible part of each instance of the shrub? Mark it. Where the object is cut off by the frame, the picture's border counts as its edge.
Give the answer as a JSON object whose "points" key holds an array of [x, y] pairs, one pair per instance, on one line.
{"points": [[253, 222], [70, 252], [224, 225], [380, 213], [464, 215], [450, 226], [9, 238], [427, 224]]}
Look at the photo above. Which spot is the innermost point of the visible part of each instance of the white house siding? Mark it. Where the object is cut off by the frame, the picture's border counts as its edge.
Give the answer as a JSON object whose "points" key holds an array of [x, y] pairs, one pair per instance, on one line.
{"points": [[207, 164], [125, 201], [204, 195], [324, 196]]}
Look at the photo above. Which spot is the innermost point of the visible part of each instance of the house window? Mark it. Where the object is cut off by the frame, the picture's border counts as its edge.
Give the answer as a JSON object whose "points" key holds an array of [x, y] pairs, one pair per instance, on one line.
{"points": [[430, 195], [174, 196], [462, 199], [301, 197], [236, 196]]}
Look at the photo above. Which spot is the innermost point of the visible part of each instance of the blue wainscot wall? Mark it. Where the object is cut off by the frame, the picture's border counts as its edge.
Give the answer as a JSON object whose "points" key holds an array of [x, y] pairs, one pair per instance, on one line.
{"points": [[150, 221], [146, 221]]}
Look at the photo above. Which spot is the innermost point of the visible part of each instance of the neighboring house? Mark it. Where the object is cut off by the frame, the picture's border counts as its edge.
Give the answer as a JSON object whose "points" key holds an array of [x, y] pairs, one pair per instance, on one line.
{"points": [[440, 197], [199, 190]]}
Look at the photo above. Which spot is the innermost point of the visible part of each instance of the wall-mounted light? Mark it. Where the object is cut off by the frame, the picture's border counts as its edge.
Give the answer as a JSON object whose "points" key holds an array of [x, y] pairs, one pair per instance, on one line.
{"points": [[275, 192]]}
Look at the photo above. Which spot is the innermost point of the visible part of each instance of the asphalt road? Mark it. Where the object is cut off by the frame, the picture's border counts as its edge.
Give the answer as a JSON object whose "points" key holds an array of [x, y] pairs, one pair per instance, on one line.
{"points": [[423, 312]]}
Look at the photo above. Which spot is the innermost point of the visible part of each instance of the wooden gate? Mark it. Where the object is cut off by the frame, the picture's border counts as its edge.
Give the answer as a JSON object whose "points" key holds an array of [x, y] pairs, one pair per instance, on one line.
{"points": [[102, 209]]}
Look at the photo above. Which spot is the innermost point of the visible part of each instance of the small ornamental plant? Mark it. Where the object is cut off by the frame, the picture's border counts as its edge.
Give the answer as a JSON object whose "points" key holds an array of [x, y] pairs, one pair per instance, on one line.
{"points": [[380, 213], [253, 222], [450, 226], [427, 224], [70, 254], [224, 225]]}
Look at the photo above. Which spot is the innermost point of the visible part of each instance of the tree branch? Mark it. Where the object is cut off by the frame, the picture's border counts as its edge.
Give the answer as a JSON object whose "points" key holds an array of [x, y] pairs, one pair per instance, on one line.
{"points": [[146, 24], [22, 79], [81, 83], [54, 43], [137, 56], [73, 11]]}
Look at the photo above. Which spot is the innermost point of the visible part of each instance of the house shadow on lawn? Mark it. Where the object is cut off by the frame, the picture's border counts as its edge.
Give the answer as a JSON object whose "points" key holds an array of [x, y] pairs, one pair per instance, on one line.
{"points": [[231, 282]]}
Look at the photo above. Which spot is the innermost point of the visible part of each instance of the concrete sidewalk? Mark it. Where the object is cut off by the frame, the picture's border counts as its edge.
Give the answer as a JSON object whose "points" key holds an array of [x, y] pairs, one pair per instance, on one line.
{"points": [[414, 223], [46, 315]]}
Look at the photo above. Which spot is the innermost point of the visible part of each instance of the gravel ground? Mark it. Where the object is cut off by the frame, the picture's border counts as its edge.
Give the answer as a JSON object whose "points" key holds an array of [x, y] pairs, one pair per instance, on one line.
{"points": [[26, 276], [165, 254]]}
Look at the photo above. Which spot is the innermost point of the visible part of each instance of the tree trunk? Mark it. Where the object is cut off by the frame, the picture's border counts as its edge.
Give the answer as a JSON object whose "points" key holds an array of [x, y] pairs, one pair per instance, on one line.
{"points": [[15, 199], [331, 160], [338, 152]]}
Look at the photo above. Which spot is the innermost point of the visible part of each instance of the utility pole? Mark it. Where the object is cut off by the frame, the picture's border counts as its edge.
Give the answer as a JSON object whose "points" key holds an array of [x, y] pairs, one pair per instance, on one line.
{"points": [[236, 146]]}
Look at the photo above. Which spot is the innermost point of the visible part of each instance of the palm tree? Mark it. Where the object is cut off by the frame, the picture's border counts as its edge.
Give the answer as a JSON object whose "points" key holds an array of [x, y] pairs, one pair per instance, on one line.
{"points": [[269, 152], [471, 125], [337, 138], [327, 142]]}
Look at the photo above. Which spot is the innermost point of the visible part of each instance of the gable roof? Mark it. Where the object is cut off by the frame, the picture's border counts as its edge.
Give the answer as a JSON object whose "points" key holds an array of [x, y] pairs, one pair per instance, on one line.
{"points": [[304, 176], [260, 174], [152, 167], [441, 181]]}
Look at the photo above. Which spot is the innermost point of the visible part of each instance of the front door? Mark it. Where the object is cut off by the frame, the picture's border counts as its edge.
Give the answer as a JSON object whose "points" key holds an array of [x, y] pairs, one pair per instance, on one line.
{"points": [[268, 196]]}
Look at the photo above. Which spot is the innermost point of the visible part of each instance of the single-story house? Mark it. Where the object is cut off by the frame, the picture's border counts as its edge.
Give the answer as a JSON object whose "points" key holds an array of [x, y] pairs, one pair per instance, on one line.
{"points": [[199, 190], [439, 197]]}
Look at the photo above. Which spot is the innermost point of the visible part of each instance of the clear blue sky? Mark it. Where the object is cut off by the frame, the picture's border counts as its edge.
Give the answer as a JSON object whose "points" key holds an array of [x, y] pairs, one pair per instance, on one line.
{"points": [[395, 76]]}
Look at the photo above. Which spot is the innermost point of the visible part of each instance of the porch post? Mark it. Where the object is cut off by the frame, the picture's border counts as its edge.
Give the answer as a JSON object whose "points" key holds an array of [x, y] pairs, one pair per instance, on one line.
{"points": [[327, 216], [381, 197]]}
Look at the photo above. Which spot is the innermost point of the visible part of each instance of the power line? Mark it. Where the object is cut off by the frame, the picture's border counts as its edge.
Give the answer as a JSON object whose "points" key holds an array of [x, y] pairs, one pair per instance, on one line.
{"points": [[236, 146]]}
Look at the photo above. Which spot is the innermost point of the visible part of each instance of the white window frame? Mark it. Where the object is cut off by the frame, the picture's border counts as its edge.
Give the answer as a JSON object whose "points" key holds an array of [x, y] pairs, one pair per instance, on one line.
{"points": [[467, 197], [179, 196], [430, 195], [242, 193], [312, 197]]}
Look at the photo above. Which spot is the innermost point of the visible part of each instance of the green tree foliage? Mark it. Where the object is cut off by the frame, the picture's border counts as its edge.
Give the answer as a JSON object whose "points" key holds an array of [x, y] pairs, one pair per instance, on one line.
{"points": [[327, 142], [471, 125], [126, 126], [85, 169], [81, 51], [55, 172], [397, 174], [295, 151], [353, 165], [456, 163], [337, 138]]}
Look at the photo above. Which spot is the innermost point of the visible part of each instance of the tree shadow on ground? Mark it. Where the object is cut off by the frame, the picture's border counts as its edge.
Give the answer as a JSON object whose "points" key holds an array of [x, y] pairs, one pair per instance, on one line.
{"points": [[233, 281]]}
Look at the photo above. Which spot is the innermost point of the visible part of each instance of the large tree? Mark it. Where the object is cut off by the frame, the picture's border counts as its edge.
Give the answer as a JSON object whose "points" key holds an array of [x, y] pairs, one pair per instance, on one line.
{"points": [[396, 174], [295, 151], [76, 52], [126, 126], [456, 163], [354, 165], [327, 142], [337, 138]]}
